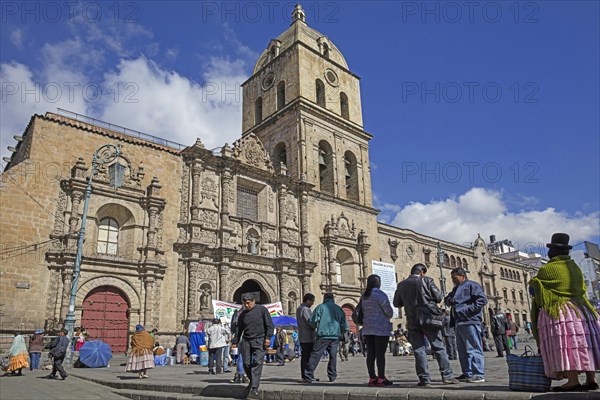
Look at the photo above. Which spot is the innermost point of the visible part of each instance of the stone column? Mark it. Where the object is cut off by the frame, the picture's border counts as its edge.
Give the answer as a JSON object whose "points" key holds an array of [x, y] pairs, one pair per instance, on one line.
{"points": [[152, 212], [225, 189], [149, 301], [180, 290], [67, 276], [305, 285], [192, 290], [223, 284], [284, 289], [196, 172]]}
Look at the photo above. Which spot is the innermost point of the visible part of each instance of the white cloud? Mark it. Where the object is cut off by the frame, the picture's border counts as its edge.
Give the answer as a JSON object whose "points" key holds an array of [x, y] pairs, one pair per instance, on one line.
{"points": [[484, 211], [16, 37]]}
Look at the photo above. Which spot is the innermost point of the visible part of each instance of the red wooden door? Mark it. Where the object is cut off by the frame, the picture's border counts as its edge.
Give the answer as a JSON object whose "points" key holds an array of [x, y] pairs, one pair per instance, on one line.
{"points": [[348, 309], [106, 317]]}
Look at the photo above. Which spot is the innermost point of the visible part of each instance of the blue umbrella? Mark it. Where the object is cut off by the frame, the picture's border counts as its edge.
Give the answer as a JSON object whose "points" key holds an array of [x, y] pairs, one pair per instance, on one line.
{"points": [[285, 321], [95, 354]]}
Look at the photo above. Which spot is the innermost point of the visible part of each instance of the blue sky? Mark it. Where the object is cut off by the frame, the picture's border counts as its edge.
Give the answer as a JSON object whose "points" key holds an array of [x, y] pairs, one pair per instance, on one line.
{"points": [[485, 118]]}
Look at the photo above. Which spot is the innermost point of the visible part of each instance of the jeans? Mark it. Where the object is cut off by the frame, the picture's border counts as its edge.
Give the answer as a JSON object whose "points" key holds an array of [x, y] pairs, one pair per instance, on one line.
{"points": [[35, 360], [321, 345], [307, 349], [513, 338], [253, 356], [218, 354], [240, 364], [470, 350], [378, 346], [501, 343], [450, 342], [343, 350], [226, 358], [418, 339]]}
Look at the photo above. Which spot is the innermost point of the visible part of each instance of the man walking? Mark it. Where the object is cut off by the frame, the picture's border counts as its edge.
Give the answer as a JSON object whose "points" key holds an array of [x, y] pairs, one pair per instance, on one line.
{"points": [[58, 351], [255, 328], [330, 323], [514, 330], [306, 333], [280, 342], [449, 335], [415, 290], [467, 300], [499, 328]]}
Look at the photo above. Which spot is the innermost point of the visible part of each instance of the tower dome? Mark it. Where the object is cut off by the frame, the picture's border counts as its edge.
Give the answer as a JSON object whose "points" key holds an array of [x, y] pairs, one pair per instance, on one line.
{"points": [[299, 31]]}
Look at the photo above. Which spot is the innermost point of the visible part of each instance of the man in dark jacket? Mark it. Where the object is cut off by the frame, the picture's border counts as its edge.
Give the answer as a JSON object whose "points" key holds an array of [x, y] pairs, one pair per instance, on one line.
{"points": [[414, 290], [499, 328], [467, 300], [254, 331], [58, 351], [449, 337], [330, 323]]}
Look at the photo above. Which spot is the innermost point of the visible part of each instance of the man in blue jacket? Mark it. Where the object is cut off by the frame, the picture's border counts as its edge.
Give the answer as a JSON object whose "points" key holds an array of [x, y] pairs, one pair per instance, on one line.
{"points": [[330, 323], [467, 300]]}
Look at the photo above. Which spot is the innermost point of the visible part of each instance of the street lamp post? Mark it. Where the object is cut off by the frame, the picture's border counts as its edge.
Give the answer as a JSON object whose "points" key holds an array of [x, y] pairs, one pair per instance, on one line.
{"points": [[103, 155], [440, 260]]}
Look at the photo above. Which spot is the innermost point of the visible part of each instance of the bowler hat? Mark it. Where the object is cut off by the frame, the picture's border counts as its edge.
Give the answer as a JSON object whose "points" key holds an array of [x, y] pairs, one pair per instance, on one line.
{"points": [[560, 241]]}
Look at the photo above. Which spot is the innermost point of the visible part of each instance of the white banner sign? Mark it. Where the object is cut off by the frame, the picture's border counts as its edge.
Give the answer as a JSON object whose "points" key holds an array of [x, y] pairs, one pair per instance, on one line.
{"points": [[223, 309], [387, 273]]}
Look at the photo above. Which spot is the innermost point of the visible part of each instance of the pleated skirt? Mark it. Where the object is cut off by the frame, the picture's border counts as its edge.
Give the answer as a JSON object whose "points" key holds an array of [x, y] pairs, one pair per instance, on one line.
{"points": [[138, 362], [570, 343]]}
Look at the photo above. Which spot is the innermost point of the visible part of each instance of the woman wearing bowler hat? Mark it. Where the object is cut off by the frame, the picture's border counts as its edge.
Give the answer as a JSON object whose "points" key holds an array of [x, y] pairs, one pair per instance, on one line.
{"points": [[564, 322]]}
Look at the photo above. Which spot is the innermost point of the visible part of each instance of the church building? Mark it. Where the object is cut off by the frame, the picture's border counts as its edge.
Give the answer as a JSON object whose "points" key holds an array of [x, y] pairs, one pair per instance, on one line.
{"points": [[285, 210]]}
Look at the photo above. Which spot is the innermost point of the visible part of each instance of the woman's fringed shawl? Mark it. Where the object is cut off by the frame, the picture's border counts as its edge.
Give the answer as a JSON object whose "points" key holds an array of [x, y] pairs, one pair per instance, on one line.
{"points": [[18, 346], [141, 343], [559, 283]]}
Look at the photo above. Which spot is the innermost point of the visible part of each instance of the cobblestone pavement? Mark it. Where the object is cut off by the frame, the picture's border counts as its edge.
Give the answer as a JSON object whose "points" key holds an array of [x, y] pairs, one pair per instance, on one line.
{"points": [[280, 382], [193, 381]]}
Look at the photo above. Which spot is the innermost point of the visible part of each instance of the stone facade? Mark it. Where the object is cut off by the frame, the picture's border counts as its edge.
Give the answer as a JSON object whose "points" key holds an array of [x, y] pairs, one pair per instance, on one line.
{"points": [[285, 210]]}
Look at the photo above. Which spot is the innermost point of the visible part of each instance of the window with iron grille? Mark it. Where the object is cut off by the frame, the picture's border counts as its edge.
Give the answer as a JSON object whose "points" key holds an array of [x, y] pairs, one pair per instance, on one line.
{"points": [[247, 203]]}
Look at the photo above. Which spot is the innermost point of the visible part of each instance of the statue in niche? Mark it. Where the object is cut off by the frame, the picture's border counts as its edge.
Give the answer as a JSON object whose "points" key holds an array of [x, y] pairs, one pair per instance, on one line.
{"points": [[205, 297], [291, 303], [253, 241]]}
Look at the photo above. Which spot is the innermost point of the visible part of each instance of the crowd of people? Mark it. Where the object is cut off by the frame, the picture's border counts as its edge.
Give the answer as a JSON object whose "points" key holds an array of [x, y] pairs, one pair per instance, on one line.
{"points": [[564, 325]]}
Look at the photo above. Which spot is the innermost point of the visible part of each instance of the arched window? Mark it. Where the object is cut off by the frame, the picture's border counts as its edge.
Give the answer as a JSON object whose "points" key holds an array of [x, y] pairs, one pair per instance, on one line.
{"points": [[446, 260], [320, 92], [452, 262], [346, 268], [344, 109], [518, 276], [464, 264], [108, 236], [505, 293], [351, 176], [325, 167], [458, 263], [279, 155], [280, 95], [258, 110]]}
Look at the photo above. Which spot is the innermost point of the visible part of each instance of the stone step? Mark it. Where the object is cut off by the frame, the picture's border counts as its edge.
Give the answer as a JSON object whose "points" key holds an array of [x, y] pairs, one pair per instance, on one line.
{"points": [[152, 395]]}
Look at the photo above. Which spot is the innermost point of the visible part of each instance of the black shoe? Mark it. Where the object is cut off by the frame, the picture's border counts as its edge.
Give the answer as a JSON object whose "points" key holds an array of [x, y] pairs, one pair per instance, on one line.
{"points": [[499, 356], [424, 384], [331, 380], [244, 379], [574, 388], [50, 376], [236, 379], [590, 386], [451, 381], [64, 377], [462, 378], [253, 393]]}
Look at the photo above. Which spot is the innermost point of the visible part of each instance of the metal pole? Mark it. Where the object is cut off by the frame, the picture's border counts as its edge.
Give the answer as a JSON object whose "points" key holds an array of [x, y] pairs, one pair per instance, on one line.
{"points": [[107, 153]]}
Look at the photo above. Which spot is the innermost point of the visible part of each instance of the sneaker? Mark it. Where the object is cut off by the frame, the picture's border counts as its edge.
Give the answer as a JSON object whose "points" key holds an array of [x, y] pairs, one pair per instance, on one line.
{"points": [[372, 382], [386, 382], [462, 378], [253, 393], [476, 379], [424, 384], [451, 381]]}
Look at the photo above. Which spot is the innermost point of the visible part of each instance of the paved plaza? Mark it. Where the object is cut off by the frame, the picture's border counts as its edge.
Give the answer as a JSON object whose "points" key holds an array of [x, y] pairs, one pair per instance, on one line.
{"points": [[193, 382]]}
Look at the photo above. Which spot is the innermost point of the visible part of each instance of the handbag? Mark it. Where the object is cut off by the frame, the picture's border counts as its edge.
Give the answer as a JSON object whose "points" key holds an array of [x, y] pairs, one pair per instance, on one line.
{"points": [[357, 314], [526, 372], [429, 316]]}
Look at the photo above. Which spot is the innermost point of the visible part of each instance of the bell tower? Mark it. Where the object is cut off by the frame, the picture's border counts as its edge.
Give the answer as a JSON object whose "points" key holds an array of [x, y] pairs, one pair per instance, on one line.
{"points": [[303, 102]]}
